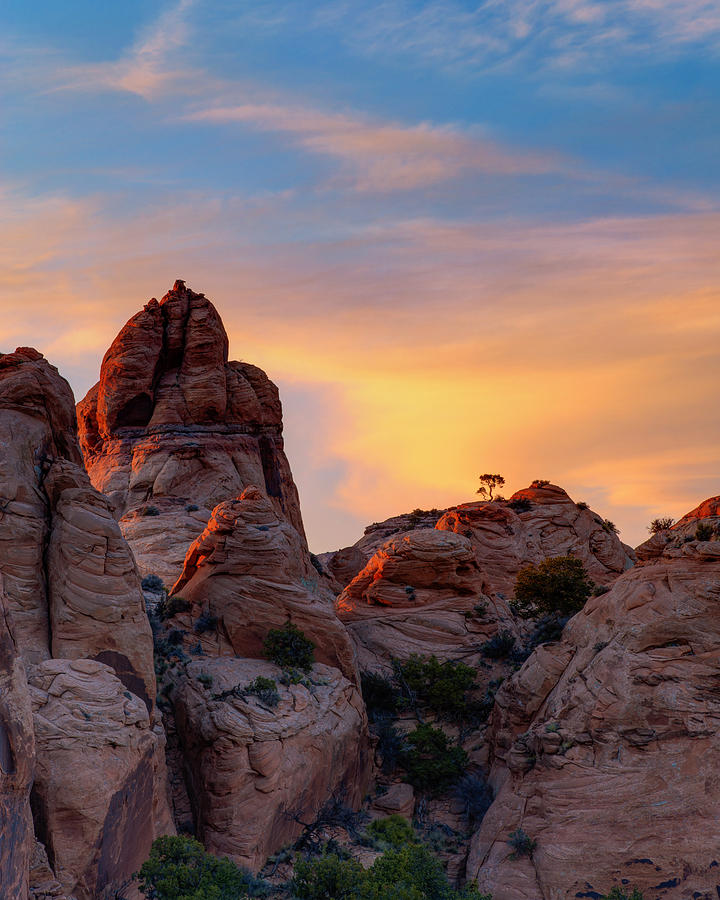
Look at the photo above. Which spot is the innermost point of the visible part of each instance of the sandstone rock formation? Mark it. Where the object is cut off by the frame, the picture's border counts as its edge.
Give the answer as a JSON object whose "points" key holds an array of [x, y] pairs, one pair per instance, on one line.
{"points": [[172, 429], [605, 745], [73, 601], [17, 757], [250, 570], [100, 775], [535, 523], [257, 773], [420, 593]]}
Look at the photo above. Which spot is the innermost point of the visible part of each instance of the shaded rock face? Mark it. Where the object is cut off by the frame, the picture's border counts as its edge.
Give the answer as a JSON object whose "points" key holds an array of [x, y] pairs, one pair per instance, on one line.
{"points": [[95, 739], [256, 772], [417, 594], [17, 757], [172, 429], [250, 570], [545, 522], [72, 600], [605, 744]]}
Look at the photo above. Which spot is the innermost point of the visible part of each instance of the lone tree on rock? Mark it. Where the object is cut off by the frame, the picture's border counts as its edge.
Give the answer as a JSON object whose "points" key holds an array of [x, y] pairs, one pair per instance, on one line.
{"points": [[489, 484], [557, 586], [661, 524]]}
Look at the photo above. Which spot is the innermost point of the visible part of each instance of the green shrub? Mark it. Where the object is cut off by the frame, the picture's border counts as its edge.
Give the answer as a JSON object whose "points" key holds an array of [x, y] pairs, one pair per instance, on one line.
{"points": [[441, 686], [265, 689], [171, 606], [380, 695], [662, 524], [288, 648], [581, 504], [205, 622], [609, 526], [432, 764], [152, 583], [393, 831], [178, 868], [522, 843], [328, 878], [192, 507], [205, 679], [520, 504], [475, 796], [558, 585], [618, 893], [151, 511], [499, 646], [704, 532]]}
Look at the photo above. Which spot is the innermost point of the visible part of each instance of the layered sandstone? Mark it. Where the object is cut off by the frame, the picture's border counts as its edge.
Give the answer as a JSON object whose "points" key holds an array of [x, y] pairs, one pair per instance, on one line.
{"points": [[73, 601], [258, 772], [172, 429], [535, 523], [250, 571], [605, 746], [99, 778], [421, 592]]}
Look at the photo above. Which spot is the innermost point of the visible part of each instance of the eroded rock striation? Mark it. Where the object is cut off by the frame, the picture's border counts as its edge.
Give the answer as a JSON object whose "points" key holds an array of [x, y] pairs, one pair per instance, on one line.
{"points": [[173, 428], [72, 603], [605, 744]]}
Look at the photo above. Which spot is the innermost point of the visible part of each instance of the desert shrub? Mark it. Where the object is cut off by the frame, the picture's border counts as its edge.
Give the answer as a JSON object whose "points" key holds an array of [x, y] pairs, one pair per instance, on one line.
{"points": [[175, 637], [581, 504], [558, 585], [151, 511], [192, 507], [327, 878], [522, 843], [704, 532], [380, 695], [205, 679], [411, 872], [265, 689], [431, 762], [540, 482], [205, 622], [288, 648], [392, 831], [600, 589], [153, 583], [520, 504], [178, 868], [170, 606], [441, 686], [610, 527], [317, 565], [618, 893], [475, 796], [661, 524], [390, 745], [499, 645]]}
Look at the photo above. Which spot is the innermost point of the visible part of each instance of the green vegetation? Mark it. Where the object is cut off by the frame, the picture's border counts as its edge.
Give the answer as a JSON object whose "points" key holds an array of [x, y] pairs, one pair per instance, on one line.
{"points": [[151, 511], [441, 686], [178, 868], [522, 843], [409, 872], [557, 586], [704, 532], [499, 646], [609, 526], [475, 796], [489, 484], [170, 607], [520, 504], [153, 583], [661, 524], [265, 689], [431, 762], [288, 648], [380, 695], [393, 831], [618, 893]]}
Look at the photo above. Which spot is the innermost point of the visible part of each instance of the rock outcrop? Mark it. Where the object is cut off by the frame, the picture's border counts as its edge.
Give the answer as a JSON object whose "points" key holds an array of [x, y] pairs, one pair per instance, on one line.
{"points": [[250, 571], [172, 429], [74, 604], [258, 771], [17, 758], [605, 745], [420, 593], [100, 775], [535, 523]]}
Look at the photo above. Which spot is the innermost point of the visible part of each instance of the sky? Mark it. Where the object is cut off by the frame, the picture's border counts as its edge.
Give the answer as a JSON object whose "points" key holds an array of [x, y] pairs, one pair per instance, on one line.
{"points": [[461, 237]]}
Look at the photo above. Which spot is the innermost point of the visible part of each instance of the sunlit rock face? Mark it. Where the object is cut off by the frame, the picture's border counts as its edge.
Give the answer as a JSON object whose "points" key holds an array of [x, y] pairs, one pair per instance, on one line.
{"points": [[255, 769], [172, 429], [535, 523], [418, 594], [72, 607], [605, 745]]}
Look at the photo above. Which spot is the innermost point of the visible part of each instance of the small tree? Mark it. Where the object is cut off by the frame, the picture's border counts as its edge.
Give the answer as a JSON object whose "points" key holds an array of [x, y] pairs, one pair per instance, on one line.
{"points": [[661, 524], [557, 586], [489, 484], [432, 763]]}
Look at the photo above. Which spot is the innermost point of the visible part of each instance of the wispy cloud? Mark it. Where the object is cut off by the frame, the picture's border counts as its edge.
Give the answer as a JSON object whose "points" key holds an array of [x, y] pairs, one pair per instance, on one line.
{"points": [[383, 156]]}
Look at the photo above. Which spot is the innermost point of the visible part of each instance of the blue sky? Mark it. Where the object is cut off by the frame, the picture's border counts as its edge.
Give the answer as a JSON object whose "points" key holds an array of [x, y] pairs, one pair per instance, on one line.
{"points": [[462, 237]]}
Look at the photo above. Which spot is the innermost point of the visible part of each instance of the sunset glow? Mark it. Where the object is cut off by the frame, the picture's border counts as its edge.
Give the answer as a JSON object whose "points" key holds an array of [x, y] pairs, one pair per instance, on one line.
{"points": [[460, 239]]}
